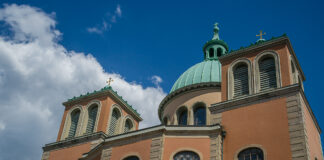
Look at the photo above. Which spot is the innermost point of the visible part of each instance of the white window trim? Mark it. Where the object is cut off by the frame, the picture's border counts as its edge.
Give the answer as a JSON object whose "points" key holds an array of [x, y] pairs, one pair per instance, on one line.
{"points": [[67, 122], [118, 127], [257, 72], [230, 75], [86, 116], [128, 117]]}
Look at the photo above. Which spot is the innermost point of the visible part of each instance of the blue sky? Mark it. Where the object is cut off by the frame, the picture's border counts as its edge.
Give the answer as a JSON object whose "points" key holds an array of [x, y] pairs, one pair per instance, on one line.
{"points": [[136, 40]]}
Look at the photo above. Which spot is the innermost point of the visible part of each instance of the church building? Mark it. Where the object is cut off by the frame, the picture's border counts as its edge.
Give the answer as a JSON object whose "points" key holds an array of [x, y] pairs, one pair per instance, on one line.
{"points": [[246, 104]]}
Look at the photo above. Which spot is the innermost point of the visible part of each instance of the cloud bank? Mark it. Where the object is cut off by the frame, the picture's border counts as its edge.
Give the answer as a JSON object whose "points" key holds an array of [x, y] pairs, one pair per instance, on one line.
{"points": [[37, 74]]}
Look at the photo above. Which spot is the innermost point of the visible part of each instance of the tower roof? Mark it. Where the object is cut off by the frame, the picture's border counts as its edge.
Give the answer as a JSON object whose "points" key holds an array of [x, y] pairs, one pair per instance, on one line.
{"points": [[206, 71]]}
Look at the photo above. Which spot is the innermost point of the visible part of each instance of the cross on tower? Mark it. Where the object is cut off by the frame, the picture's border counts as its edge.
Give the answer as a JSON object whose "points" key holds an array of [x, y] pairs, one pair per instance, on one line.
{"points": [[260, 35], [109, 81]]}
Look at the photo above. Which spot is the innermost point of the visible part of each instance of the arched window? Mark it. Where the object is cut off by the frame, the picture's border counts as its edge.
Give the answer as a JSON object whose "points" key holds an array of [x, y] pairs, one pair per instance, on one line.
{"points": [[165, 120], [182, 116], [200, 116], [211, 52], [268, 78], [241, 80], [114, 121], [251, 154], [131, 158], [219, 52], [92, 116], [186, 155], [74, 122], [128, 125]]}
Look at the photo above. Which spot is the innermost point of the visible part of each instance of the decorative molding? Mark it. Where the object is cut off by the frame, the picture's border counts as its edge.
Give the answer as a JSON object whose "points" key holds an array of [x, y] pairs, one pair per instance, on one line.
{"points": [[264, 45], [216, 147], [156, 150], [154, 132], [74, 141], [245, 100], [106, 91], [106, 154], [45, 156], [297, 129]]}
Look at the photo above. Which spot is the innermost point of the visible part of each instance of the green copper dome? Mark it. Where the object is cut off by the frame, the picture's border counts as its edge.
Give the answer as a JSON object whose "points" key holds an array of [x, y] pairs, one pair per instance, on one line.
{"points": [[206, 71], [210, 69]]}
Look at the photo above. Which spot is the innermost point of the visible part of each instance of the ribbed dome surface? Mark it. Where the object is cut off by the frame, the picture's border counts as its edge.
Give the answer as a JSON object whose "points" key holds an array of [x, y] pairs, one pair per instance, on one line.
{"points": [[206, 71]]}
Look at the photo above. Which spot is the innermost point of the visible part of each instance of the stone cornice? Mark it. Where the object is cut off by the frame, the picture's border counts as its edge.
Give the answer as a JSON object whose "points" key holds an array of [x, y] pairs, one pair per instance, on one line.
{"points": [[106, 91], [74, 141], [192, 130], [183, 90], [261, 46], [246, 100]]}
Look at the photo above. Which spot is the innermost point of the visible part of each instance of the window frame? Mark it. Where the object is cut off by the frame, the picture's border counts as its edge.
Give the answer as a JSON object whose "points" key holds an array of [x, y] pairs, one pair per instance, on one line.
{"points": [[67, 122], [251, 146], [261, 56], [86, 116], [179, 111], [230, 92], [119, 123]]}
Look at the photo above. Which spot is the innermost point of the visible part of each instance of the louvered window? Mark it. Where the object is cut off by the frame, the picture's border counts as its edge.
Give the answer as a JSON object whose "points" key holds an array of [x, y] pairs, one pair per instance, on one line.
{"points": [[186, 155], [74, 123], [251, 154], [92, 113], [241, 80], [183, 117], [268, 77], [200, 116], [128, 126], [113, 122]]}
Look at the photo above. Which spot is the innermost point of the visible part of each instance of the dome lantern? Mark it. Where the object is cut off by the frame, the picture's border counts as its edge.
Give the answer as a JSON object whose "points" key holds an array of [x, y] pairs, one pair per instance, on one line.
{"points": [[215, 47]]}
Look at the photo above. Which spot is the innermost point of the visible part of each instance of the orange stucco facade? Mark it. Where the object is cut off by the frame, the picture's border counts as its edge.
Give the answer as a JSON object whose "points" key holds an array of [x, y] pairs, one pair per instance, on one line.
{"points": [[69, 153], [269, 129], [140, 149], [172, 145]]}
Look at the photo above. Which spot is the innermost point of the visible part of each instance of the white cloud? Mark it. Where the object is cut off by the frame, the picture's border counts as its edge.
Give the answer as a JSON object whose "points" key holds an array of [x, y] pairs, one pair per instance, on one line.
{"points": [[37, 74], [118, 11], [2, 126], [156, 80], [94, 30], [106, 22]]}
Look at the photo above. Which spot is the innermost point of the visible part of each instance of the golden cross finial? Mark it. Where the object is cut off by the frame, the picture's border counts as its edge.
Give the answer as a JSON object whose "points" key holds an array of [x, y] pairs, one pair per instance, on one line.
{"points": [[109, 81], [260, 35]]}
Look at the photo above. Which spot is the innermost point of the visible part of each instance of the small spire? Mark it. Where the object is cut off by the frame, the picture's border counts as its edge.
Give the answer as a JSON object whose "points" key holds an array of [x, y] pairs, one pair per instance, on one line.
{"points": [[216, 29]]}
